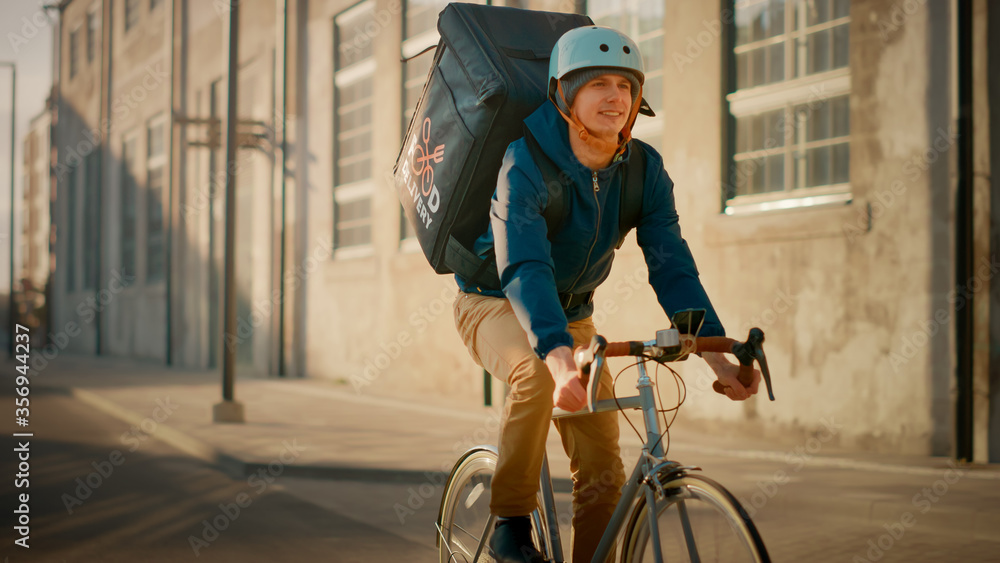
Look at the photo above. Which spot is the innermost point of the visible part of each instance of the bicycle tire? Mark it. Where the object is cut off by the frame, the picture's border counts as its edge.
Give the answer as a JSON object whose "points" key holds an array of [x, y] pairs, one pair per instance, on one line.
{"points": [[719, 529], [465, 509]]}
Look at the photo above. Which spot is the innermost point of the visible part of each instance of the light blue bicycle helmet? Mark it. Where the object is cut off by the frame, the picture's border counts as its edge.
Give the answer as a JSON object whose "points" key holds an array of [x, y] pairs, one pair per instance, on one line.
{"points": [[595, 46]]}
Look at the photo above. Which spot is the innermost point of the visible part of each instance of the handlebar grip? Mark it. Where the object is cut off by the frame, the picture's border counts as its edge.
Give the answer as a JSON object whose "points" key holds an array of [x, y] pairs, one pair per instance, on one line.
{"points": [[745, 377], [616, 349], [720, 344]]}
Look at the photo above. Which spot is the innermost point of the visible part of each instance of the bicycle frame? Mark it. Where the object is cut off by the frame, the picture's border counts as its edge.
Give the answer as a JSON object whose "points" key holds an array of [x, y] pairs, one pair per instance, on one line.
{"points": [[644, 470]]}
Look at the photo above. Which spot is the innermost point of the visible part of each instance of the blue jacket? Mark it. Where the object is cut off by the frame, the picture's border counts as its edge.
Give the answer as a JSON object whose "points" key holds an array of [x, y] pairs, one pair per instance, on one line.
{"points": [[534, 268]]}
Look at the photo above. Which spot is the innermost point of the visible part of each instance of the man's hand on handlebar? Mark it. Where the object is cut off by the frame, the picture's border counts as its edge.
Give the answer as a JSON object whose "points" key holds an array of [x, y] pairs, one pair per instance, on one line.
{"points": [[727, 373], [570, 393]]}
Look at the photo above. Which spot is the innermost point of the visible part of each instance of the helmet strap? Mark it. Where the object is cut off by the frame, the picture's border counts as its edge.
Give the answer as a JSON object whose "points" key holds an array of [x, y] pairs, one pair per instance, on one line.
{"points": [[598, 144]]}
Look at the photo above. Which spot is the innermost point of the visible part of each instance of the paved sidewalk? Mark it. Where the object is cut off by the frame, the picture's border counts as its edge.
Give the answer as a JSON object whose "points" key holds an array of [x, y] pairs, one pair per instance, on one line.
{"points": [[319, 429]]}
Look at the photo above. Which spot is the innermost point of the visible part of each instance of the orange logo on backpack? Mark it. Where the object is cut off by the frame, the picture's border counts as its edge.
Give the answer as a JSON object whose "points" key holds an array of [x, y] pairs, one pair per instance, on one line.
{"points": [[426, 197], [425, 170]]}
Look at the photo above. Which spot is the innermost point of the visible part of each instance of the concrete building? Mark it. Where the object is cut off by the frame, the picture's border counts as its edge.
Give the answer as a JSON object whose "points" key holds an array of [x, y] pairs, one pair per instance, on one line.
{"points": [[820, 180]]}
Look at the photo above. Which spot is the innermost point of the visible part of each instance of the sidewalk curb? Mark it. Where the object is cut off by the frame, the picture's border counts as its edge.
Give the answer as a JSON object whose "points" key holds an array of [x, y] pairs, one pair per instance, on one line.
{"points": [[981, 524], [238, 468], [165, 433]]}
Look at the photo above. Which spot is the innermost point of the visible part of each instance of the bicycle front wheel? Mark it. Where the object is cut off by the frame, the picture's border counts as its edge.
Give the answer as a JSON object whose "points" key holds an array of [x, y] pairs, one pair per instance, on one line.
{"points": [[464, 522], [698, 521]]}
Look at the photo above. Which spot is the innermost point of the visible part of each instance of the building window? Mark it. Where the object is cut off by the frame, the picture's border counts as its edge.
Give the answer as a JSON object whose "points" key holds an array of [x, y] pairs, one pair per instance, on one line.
{"points": [[74, 52], [642, 20], [93, 34], [419, 33], [91, 224], [353, 81], [155, 166], [790, 105], [129, 189], [131, 13], [72, 240]]}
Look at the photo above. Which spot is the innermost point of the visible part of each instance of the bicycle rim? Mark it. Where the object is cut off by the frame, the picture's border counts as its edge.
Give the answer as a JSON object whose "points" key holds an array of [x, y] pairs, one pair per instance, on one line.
{"points": [[698, 521], [465, 511]]}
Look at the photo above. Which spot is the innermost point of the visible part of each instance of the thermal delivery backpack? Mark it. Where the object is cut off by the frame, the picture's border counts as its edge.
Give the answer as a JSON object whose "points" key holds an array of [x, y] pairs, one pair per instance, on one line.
{"points": [[489, 73]]}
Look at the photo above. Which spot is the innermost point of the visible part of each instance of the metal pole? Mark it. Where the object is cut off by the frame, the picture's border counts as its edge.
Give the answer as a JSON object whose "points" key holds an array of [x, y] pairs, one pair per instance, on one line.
{"points": [[964, 259], [283, 164], [229, 410]]}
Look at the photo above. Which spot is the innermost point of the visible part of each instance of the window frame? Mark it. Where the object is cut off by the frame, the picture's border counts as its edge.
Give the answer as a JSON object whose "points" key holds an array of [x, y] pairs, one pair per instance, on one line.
{"points": [[75, 178], [645, 127], [362, 189], [74, 50], [410, 47], [134, 12], [156, 163], [93, 33], [91, 225], [127, 171], [786, 95]]}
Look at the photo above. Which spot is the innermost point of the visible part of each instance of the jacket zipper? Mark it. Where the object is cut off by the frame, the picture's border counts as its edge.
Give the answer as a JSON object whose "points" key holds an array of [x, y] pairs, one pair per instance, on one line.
{"points": [[597, 234]]}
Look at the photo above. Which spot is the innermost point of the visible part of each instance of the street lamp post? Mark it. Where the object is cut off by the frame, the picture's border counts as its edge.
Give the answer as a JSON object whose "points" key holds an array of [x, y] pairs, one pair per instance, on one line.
{"points": [[13, 122]]}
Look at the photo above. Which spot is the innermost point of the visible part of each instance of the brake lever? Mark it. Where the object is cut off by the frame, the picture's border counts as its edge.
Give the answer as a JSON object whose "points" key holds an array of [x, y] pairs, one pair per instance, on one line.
{"points": [[756, 341], [591, 361]]}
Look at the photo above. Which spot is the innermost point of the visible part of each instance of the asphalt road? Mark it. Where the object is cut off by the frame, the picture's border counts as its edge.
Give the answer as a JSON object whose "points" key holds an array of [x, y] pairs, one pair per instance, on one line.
{"points": [[100, 493]]}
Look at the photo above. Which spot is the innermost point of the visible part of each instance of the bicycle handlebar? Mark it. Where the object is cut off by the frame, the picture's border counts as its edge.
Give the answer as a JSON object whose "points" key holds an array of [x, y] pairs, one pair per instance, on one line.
{"points": [[746, 352]]}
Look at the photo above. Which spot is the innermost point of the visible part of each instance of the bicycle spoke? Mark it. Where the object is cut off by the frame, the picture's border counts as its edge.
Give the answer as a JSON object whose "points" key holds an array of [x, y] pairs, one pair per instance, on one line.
{"points": [[699, 522], [461, 546]]}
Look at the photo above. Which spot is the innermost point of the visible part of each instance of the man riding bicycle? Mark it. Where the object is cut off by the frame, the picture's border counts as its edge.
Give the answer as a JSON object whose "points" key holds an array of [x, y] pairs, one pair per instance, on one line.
{"points": [[524, 334]]}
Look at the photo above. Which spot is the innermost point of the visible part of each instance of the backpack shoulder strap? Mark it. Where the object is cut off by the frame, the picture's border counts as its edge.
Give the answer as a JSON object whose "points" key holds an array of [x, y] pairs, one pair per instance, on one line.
{"points": [[556, 211], [633, 185], [482, 270]]}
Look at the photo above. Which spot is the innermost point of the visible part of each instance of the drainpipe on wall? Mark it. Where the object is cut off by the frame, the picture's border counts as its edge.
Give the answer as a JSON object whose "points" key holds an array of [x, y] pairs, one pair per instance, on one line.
{"points": [[169, 242], [964, 332], [53, 122], [107, 33]]}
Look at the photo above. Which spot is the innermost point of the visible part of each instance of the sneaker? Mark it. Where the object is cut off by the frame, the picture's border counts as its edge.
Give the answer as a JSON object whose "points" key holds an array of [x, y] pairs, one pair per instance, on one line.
{"points": [[511, 542]]}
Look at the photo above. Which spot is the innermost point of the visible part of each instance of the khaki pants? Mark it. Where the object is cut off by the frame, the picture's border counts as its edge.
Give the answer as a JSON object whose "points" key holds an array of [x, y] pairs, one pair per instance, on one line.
{"points": [[497, 342]]}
